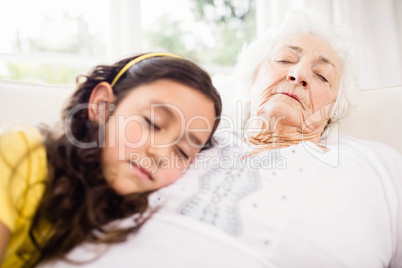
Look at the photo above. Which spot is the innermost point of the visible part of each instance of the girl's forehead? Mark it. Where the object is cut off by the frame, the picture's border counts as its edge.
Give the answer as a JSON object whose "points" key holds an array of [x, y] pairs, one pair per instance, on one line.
{"points": [[169, 96]]}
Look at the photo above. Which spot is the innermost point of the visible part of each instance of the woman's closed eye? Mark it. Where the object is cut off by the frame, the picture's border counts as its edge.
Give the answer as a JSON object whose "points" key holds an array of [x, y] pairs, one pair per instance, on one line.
{"points": [[322, 77], [151, 124], [283, 61]]}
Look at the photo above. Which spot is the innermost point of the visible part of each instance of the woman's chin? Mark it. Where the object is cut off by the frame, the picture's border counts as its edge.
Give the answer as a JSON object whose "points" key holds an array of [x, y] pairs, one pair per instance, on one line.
{"points": [[281, 113]]}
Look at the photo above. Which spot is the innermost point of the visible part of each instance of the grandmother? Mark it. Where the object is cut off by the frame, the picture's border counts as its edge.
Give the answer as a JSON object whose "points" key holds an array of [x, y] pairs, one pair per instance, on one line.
{"points": [[268, 201], [301, 77]]}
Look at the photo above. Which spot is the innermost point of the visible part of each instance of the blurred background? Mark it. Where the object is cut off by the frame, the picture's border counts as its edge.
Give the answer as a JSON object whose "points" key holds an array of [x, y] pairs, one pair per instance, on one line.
{"points": [[54, 41]]}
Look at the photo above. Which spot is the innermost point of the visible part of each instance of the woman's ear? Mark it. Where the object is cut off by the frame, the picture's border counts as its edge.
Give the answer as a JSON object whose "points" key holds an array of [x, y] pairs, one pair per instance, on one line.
{"points": [[101, 96]]}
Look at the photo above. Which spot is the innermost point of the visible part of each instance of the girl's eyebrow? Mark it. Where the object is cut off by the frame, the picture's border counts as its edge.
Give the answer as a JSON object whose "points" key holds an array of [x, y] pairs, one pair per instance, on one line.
{"points": [[163, 107], [194, 139]]}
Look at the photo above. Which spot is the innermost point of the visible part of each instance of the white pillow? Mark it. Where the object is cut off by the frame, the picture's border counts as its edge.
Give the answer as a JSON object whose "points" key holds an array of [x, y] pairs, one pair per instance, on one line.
{"points": [[24, 102], [378, 117]]}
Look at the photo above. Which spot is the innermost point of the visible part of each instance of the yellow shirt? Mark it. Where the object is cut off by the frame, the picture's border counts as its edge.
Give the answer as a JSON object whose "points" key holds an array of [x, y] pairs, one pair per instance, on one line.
{"points": [[23, 169]]}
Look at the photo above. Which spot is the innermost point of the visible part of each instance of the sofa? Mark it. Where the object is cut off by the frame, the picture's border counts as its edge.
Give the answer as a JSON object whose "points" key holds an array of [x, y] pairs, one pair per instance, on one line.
{"points": [[378, 116], [178, 239]]}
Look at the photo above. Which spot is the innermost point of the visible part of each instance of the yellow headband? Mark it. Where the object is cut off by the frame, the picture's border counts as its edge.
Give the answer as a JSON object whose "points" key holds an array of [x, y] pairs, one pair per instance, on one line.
{"points": [[140, 58]]}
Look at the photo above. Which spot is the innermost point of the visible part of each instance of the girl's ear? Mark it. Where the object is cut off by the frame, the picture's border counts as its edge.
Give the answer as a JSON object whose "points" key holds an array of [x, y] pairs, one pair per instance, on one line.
{"points": [[101, 96]]}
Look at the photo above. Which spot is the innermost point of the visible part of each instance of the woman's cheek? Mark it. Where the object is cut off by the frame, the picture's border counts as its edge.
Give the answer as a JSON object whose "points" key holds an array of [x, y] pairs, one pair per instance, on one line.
{"points": [[265, 81], [322, 98]]}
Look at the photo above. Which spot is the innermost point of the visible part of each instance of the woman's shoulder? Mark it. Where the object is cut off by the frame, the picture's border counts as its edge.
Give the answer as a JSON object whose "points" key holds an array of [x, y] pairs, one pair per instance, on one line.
{"points": [[369, 147]]}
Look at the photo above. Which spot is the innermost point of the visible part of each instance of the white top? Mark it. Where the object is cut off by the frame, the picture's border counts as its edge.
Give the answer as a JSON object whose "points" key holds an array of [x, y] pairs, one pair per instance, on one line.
{"points": [[291, 207]]}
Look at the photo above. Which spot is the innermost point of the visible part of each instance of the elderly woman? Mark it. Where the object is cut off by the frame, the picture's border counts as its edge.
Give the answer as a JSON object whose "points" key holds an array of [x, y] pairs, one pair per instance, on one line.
{"points": [[301, 80], [301, 77], [290, 194]]}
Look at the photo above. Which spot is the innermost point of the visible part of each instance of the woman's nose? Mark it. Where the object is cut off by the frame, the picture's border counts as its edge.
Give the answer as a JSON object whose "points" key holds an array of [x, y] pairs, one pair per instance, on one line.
{"points": [[298, 76]]}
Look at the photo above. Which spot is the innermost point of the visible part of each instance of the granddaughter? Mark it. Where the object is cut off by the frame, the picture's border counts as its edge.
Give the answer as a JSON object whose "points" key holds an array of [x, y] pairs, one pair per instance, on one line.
{"points": [[130, 128]]}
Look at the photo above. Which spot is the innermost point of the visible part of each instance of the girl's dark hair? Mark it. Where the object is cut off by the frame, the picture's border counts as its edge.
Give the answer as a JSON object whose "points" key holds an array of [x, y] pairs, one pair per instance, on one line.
{"points": [[78, 203]]}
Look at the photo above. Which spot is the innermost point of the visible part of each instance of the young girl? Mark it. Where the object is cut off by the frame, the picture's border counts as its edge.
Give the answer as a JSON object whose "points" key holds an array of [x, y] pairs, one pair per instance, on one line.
{"points": [[129, 129]]}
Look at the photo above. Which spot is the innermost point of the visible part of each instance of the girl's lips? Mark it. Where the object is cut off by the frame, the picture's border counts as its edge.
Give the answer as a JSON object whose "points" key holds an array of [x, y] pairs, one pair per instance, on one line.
{"points": [[140, 172]]}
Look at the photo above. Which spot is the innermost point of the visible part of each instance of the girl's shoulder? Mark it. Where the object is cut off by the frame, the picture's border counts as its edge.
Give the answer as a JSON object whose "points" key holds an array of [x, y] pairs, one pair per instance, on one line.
{"points": [[20, 136], [20, 142], [23, 169], [22, 152]]}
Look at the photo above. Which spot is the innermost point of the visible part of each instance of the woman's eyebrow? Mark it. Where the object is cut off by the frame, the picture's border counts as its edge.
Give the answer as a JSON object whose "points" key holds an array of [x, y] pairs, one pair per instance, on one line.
{"points": [[321, 59], [296, 49], [325, 60]]}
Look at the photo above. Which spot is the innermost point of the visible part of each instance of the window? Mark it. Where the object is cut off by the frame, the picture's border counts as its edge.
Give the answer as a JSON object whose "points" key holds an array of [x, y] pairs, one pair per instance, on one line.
{"points": [[51, 41], [209, 32], [54, 41]]}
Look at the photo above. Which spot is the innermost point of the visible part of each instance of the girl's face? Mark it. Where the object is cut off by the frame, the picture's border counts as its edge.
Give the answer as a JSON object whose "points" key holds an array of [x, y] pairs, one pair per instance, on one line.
{"points": [[153, 135]]}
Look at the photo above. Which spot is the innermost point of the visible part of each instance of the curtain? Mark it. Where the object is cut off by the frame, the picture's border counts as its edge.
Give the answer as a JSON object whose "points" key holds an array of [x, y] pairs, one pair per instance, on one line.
{"points": [[376, 25]]}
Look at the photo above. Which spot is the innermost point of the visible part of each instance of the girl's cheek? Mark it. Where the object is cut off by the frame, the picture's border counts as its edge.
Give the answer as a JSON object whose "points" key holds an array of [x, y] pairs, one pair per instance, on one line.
{"points": [[172, 174], [133, 132]]}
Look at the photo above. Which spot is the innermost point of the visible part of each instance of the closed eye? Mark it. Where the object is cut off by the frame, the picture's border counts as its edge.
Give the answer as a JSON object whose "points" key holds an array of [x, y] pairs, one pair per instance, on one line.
{"points": [[283, 61], [151, 124], [182, 153], [322, 77]]}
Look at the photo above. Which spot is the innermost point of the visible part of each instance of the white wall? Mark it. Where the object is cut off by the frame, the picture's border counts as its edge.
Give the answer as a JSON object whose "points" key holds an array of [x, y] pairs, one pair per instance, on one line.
{"points": [[376, 24]]}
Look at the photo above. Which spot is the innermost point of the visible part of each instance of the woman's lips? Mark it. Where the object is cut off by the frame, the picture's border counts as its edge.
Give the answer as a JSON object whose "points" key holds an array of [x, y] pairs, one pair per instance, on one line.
{"points": [[290, 95], [267, 94]]}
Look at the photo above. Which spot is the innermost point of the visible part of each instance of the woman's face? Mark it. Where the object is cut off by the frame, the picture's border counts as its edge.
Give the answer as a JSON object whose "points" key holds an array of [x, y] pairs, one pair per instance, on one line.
{"points": [[298, 84], [153, 135]]}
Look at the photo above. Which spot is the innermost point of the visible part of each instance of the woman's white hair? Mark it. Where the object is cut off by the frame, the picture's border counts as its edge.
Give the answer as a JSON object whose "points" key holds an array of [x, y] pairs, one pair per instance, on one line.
{"points": [[306, 22]]}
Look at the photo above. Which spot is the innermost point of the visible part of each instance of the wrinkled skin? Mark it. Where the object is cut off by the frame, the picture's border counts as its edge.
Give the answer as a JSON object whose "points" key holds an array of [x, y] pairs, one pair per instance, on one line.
{"points": [[294, 90]]}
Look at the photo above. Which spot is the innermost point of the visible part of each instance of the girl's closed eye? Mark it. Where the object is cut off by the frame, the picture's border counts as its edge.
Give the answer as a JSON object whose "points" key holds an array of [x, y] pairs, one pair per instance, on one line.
{"points": [[151, 124], [182, 153]]}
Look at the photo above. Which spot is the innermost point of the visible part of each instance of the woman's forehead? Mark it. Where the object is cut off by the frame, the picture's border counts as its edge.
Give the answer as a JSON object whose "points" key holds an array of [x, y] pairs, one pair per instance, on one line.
{"points": [[304, 43], [311, 45]]}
